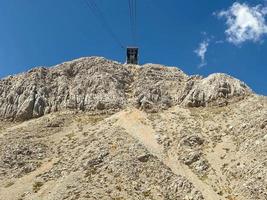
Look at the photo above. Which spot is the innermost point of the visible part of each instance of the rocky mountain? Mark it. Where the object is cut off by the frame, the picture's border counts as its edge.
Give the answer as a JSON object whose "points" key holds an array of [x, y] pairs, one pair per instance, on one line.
{"points": [[97, 129], [96, 84]]}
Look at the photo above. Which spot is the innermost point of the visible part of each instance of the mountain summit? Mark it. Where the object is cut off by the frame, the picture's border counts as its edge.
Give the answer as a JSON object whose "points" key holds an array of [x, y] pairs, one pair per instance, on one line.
{"points": [[95, 84], [97, 129]]}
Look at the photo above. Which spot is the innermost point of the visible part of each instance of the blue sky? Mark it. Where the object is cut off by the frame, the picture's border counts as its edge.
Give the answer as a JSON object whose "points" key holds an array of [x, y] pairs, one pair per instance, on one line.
{"points": [[170, 32]]}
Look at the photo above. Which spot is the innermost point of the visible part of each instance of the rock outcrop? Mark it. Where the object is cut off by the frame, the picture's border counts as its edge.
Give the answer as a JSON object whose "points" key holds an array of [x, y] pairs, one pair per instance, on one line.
{"points": [[98, 85], [85, 84], [216, 90], [103, 130]]}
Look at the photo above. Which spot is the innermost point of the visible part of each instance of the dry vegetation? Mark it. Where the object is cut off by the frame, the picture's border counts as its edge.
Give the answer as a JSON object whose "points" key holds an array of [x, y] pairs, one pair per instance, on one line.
{"points": [[156, 134]]}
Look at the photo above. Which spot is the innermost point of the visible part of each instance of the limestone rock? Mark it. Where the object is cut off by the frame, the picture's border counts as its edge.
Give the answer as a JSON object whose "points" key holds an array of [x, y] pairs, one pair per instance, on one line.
{"points": [[216, 90], [87, 84], [157, 87], [209, 153], [98, 85]]}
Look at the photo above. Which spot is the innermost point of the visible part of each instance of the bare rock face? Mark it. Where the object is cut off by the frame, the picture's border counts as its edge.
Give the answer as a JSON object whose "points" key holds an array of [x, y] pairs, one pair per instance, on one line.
{"points": [[84, 84], [216, 90], [103, 139], [98, 85], [157, 87]]}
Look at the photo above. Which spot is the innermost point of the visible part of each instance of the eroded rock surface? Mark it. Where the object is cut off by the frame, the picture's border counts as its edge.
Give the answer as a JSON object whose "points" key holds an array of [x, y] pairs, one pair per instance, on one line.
{"points": [[85, 84], [103, 130], [216, 90], [98, 85]]}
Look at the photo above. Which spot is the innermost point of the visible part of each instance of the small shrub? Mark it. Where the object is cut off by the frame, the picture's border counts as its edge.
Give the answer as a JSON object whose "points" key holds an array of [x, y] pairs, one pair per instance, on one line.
{"points": [[9, 184], [70, 135], [37, 186]]}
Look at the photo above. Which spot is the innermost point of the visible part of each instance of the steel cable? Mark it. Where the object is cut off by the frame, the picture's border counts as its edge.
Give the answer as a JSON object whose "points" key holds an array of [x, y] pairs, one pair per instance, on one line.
{"points": [[97, 12], [133, 19]]}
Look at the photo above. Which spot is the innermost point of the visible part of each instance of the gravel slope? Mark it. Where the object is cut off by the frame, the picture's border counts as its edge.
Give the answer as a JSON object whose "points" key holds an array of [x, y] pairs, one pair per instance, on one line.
{"points": [[133, 132]]}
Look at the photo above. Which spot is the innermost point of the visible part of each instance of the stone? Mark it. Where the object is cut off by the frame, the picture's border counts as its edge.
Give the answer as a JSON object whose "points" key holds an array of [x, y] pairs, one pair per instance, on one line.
{"points": [[191, 158], [263, 125], [95, 84], [192, 141], [216, 90], [144, 158]]}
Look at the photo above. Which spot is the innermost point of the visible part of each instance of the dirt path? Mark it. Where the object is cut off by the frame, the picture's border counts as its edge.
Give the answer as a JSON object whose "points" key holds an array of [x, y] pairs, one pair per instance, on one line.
{"points": [[137, 125]]}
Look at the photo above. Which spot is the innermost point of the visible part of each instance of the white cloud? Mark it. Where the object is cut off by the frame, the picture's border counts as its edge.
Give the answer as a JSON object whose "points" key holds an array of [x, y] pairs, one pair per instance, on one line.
{"points": [[244, 23], [201, 52]]}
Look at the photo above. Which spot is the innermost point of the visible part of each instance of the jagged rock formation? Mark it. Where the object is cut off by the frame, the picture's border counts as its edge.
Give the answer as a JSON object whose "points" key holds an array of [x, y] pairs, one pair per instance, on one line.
{"points": [[216, 90], [103, 130], [96, 84], [85, 84]]}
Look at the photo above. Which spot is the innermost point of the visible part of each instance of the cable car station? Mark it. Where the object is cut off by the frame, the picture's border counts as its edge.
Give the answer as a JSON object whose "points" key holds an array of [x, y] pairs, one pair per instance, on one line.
{"points": [[132, 55]]}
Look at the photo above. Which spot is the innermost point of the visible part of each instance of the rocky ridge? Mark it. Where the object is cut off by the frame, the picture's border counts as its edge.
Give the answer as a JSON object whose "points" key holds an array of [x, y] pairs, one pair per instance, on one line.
{"points": [[94, 129], [95, 84]]}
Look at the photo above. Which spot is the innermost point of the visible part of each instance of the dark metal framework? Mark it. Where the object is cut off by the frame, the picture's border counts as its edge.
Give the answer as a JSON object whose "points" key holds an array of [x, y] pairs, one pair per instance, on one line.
{"points": [[132, 55]]}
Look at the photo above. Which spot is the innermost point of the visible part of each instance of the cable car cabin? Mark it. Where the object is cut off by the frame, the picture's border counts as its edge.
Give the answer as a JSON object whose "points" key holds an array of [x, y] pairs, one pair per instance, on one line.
{"points": [[132, 55]]}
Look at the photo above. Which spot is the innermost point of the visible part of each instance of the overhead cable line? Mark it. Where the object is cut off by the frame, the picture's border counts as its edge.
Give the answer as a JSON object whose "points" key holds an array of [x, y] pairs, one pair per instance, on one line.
{"points": [[133, 19], [97, 12], [131, 14]]}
